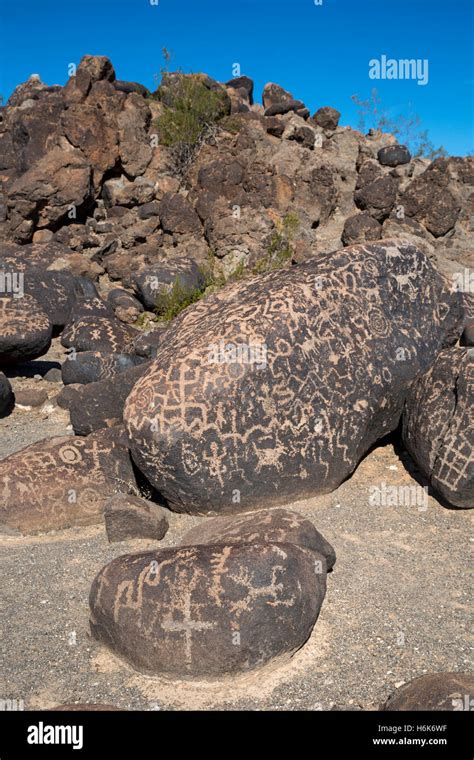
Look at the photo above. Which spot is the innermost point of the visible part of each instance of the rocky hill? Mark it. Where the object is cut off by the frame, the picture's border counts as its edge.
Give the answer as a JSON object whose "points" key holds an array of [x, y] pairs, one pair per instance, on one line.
{"points": [[85, 167]]}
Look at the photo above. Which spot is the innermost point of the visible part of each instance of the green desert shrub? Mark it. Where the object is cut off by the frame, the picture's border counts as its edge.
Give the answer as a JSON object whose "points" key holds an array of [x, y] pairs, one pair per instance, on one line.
{"points": [[172, 302], [192, 108], [280, 248]]}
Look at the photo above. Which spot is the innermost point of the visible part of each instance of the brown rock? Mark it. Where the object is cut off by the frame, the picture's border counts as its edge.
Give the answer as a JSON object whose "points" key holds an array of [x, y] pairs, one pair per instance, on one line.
{"points": [[31, 397], [434, 691], [327, 118], [177, 215], [361, 227], [273, 93], [207, 611], [25, 330], [377, 197], [128, 516], [60, 482], [265, 526], [437, 426], [429, 200], [57, 184], [100, 404]]}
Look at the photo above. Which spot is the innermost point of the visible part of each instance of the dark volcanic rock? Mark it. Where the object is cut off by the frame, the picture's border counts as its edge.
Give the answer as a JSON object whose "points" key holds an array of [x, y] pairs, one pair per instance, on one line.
{"points": [[177, 215], [361, 227], [148, 343], [467, 338], [99, 405], [128, 87], [265, 526], [394, 155], [207, 611], [60, 482], [59, 181], [25, 330], [242, 83], [98, 333], [126, 307], [37, 256], [92, 366], [54, 291], [284, 107], [378, 197], [273, 389], [327, 117], [128, 516], [273, 93], [91, 69], [7, 399], [434, 691], [437, 426], [429, 200], [154, 282]]}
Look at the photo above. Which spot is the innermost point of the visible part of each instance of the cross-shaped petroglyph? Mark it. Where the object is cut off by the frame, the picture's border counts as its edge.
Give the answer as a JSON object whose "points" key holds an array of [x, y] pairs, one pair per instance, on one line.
{"points": [[187, 625]]}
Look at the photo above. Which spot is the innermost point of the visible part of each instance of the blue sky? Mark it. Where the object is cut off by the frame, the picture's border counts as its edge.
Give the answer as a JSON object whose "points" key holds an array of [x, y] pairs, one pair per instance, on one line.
{"points": [[320, 53]]}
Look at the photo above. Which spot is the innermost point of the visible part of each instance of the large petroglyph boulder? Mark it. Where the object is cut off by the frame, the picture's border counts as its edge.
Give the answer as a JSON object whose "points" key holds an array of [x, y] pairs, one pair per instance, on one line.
{"points": [[207, 611], [273, 389], [438, 426], [25, 329], [264, 526], [60, 482]]}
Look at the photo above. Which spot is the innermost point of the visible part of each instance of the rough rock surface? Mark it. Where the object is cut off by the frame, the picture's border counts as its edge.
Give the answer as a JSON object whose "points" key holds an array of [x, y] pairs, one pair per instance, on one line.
{"points": [[437, 426], [92, 366], [327, 117], [155, 281], [394, 155], [7, 398], [25, 330], [54, 291], [100, 333], [207, 611], [434, 691], [429, 200], [273, 389], [129, 516], [60, 482], [100, 404], [265, 526]]}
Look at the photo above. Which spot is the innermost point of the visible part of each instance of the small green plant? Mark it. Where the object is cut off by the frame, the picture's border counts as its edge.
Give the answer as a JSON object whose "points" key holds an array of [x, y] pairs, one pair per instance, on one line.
{"points": [[231, 124], [172, 302], [280, 248], [191, 108]]}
